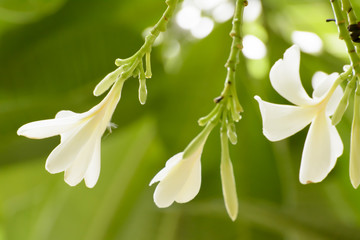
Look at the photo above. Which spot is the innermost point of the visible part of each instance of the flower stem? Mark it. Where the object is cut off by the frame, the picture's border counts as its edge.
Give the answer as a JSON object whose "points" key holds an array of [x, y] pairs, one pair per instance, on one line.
{"points": [[344, 35], [352, 19], [228, 96], [233, 59], [160, 26], [128, 67], [346, 6]]}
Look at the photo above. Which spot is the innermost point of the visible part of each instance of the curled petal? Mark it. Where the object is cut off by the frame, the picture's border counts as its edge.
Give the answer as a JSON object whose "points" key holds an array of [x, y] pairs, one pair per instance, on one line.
{"points": [[322, 147], [285, 78], [282, 121]]}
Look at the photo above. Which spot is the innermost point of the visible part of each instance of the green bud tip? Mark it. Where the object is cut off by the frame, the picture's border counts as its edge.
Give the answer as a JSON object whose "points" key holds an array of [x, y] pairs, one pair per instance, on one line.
{"points": [[231, 133]]}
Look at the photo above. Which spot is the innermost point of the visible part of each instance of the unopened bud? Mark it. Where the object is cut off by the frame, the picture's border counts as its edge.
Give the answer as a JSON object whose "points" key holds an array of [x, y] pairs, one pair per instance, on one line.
{"points": [[108, 80], [142, 91], [148, 72], [231, 133], [343, 104]]}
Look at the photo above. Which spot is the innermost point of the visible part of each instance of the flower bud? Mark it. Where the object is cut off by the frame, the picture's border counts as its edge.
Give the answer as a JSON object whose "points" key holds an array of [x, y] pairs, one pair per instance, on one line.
{"points": [[228, 179], [231, 133], [343, 104], [142, 91], [204, 120], [148, 73], [108, 80], [354, 144]]}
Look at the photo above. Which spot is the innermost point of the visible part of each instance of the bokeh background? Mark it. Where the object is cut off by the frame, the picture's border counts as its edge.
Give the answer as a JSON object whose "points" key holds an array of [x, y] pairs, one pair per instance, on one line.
{"points": [[54, 52]]}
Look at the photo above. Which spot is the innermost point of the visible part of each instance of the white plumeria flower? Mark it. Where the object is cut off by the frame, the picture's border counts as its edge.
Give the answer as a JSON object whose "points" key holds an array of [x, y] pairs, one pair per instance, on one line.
{"points": [[180, 179], [323, 144], [78, 153]]}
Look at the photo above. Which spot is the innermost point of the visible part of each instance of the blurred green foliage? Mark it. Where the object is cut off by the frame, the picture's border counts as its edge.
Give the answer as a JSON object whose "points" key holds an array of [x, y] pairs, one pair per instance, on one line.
{"points": [[52, 54]]}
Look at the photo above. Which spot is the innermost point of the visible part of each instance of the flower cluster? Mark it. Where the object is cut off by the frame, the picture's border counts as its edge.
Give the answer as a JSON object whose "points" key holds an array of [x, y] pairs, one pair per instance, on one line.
{"points": [[180, 179], [78, 154], [323, 144]]}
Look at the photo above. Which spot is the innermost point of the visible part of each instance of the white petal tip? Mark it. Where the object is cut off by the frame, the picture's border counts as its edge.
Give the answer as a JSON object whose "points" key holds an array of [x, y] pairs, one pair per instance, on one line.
{"points": [[270, 137], [257, 98], [355, 184], [71, 182], [19, 132], [96, 92], [233, 217], [308, 181], [163, 205], [90, 185], [22, 132], [293, 48], [51, 169], [152, 182]]}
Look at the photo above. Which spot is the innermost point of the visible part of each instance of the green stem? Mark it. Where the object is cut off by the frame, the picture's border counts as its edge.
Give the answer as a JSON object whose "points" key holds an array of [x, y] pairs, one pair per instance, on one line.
{"points": [[346, 6], [228, 95], [352, 19], [160, 26], [229, 92], [236, 45], [344, 34]]}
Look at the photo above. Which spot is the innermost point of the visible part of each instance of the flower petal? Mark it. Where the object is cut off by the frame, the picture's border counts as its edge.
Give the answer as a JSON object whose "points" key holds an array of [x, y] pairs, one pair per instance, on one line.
{"points": [[324, 84], [50, 127], [181, 183], [168, 166], [192, 184], [65, 153], [322, 148], [93, 172], [281, 121], [65, 114], [78, 168], [285, 78], [317, 78], [337, 146], [176, 182]]}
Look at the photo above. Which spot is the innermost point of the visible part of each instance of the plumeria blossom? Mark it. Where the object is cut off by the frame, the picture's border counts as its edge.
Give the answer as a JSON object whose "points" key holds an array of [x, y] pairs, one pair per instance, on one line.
{"points": [[323, 144], [180, 179], [78, 153]]}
